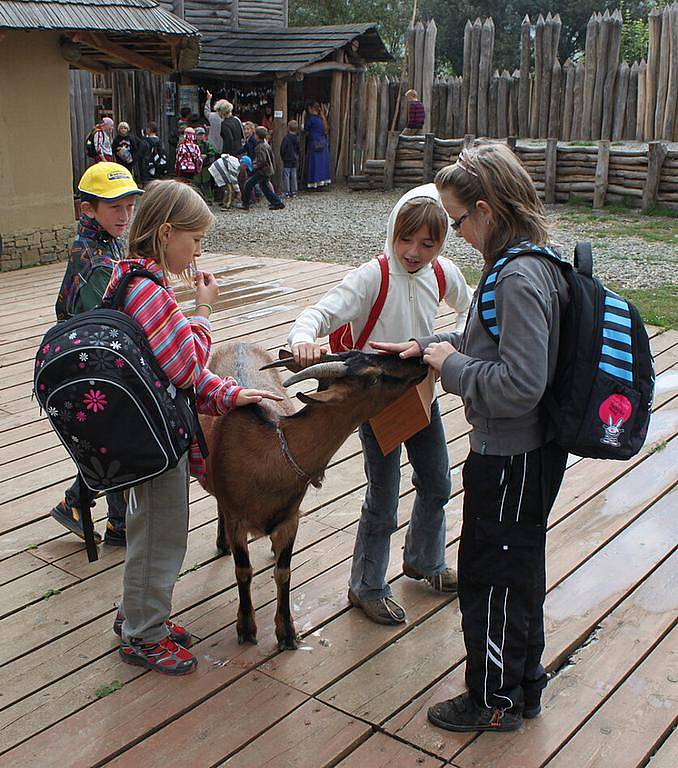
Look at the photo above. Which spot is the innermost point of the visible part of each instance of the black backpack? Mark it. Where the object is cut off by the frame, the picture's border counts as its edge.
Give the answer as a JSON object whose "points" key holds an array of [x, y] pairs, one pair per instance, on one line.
{"points": [[90, 149], [110, 403], [156, 158], [601, 397]]}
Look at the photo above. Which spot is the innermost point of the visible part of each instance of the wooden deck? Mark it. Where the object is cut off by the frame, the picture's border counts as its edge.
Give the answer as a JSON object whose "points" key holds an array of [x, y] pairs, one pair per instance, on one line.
{"points": [[355, 694]]}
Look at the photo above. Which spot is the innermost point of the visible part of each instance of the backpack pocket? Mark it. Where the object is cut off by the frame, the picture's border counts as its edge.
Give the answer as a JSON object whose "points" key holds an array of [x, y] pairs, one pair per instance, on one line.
{"points": [[608, 426]]}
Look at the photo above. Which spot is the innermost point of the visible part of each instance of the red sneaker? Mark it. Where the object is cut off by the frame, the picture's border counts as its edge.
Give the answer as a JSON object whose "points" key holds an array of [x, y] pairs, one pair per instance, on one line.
{"points": [[179, 635], [166, 657]]}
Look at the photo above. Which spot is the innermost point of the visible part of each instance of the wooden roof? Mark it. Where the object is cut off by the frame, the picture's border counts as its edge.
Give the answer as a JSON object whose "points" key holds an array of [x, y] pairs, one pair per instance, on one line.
{"points": [[110, 33], [257, 52]]}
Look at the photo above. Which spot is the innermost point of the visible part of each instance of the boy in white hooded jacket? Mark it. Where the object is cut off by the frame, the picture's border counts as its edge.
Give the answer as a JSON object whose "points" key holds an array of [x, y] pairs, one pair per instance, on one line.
{"points": [[416, 232]]}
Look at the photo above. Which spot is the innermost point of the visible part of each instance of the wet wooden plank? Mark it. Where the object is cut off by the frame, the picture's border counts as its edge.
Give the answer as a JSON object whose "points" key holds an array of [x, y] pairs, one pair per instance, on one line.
{"points": [[666, 755], [636, 717], [382, 751], [584, 684], [313, 736]]}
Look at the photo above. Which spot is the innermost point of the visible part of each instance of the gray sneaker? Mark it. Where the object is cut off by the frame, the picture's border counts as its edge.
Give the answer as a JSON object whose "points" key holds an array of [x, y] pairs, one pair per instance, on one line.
{"points": [[383, 611], [445, 581]]}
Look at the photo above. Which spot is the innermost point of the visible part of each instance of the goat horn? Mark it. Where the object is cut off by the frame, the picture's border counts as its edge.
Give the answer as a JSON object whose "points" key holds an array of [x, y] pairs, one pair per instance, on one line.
{"points": [[289, 361], [332, 370]]}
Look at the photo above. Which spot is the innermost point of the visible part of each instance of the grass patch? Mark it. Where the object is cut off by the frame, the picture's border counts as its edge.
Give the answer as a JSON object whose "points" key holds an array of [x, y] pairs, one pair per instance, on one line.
{"points": [[657, 306], [106, 690], [51, 593], [471, 275]]}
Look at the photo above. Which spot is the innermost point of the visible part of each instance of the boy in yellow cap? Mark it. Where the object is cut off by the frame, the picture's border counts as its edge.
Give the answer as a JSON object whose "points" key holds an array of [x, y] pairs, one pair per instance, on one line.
{"points": [[107, 196]]}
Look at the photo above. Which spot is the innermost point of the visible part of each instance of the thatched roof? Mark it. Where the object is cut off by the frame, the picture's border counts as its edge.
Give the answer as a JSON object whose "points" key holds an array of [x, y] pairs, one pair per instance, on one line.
{"points": [[110, 33], [257, 52]]}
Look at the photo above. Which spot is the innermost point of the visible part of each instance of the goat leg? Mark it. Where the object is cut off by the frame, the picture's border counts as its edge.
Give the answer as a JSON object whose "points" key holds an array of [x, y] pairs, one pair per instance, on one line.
{"points": [[283, 542], [223, 546], [246, 626]]}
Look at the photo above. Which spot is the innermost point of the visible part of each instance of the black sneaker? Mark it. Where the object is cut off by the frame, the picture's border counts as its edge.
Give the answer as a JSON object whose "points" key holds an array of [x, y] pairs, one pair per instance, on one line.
{"points": [[70, 518], [276, 207], [462, 714], [115, 535]]}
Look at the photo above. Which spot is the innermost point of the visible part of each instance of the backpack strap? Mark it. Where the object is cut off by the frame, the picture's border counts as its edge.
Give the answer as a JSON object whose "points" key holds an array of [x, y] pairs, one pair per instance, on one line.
{"points": [[583, 259], [440, 279], [117, 298], [378, 304], [487, 309]]}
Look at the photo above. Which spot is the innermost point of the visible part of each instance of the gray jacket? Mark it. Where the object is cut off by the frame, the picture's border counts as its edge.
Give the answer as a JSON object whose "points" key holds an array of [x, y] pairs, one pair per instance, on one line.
{"points": [[501, 384]]}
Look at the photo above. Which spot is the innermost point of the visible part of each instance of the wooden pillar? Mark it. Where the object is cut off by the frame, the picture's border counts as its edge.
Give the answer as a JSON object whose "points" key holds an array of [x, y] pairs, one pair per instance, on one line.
{"points": [[335, 115], [550, 171], [656, 155], [590, 57], [359, 113], [428, 157], [384, 108], [279, 127], [602, 167], [389, 163]]}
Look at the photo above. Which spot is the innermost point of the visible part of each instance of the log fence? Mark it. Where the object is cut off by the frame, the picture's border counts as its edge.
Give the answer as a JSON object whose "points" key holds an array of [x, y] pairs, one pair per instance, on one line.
{"points": [[642, 177]]}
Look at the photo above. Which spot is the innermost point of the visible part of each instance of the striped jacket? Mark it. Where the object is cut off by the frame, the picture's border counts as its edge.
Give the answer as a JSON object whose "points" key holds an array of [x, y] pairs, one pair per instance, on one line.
{"points": [[181, 346], [416, 114]]}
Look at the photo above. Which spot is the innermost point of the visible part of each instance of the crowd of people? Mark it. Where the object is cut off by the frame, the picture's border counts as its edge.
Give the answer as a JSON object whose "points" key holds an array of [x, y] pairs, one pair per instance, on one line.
{"points": [[231, 163], [513, 471]]}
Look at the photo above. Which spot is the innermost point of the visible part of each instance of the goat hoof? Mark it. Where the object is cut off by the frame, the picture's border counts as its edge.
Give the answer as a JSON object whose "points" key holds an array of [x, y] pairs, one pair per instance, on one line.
{"points": [[223, 549], [289, 643], [246, 637]]}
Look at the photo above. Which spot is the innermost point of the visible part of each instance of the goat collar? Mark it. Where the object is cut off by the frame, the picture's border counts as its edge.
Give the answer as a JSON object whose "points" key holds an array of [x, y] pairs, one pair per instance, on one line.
{"points": [[315, 482]]}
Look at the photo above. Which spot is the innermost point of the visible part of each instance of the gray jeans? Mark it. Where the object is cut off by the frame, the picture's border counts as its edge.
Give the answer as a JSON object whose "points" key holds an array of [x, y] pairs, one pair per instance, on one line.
{"points": [[289, 179], [157, 531], [425, 539]]}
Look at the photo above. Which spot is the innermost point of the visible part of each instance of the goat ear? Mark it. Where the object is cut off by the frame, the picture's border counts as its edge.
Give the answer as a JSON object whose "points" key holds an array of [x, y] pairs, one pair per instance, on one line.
{"points": [[317, 397]]}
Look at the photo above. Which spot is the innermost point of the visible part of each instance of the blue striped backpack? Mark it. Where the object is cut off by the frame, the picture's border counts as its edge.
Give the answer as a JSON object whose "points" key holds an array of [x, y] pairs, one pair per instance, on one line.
{"points": [[601, 397]]}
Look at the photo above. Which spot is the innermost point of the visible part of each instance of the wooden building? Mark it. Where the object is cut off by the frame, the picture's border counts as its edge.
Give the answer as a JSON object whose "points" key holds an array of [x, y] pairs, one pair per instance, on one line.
{"points": [[40, 40]]}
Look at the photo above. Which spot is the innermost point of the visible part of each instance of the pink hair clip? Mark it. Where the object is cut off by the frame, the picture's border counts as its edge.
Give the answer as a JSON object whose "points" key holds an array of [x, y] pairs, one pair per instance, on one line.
{"points": [[464, 163]]}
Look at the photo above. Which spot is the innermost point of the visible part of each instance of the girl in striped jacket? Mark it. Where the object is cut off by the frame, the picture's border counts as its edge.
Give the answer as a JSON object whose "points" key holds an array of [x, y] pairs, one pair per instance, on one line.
{"points": [[165, 239]]}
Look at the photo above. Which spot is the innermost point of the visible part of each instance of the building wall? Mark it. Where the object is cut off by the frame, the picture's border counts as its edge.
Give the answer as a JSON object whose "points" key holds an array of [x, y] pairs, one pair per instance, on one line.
{"points": [[36, 199], [211, 16]]}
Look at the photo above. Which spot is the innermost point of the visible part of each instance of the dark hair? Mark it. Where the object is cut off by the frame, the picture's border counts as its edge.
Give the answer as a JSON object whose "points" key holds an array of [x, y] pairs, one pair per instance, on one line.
{"points": [[420, 212], [153, 127], [261, 131], [85, 197]]}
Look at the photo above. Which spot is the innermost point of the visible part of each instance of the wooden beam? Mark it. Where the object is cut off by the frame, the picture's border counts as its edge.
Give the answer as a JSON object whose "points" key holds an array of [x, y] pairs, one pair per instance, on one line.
{"points": [[279, 128], [602, 170], [119, 52], [329, 66]]}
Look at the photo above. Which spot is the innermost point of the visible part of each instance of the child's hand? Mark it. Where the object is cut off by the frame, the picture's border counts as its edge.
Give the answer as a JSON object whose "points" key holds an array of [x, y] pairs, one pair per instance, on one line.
{"points": [[436, 353], [307, 353], [402, 348], [206, 288], [250, 396]]}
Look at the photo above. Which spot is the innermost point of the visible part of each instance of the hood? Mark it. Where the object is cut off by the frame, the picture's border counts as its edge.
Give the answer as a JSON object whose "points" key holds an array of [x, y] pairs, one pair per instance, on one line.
{"points": [[425, 190]]}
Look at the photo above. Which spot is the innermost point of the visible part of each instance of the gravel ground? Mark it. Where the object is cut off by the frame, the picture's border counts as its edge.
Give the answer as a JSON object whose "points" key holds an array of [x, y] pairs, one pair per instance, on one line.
{"points": [[347, 227]]}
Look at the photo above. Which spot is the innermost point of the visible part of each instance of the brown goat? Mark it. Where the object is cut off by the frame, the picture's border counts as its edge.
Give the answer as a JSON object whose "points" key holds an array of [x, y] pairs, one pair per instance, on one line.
{"points": [[262, 458]]}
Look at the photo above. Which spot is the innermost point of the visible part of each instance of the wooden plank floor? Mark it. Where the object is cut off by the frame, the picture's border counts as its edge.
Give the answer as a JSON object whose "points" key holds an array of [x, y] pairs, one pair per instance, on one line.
{"points": [[355, 694]]}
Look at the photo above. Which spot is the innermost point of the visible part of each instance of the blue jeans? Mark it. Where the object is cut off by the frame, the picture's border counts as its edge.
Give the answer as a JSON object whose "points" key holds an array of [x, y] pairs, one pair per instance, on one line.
{"points": [[289, 180], [117, 506], [425, 540]]}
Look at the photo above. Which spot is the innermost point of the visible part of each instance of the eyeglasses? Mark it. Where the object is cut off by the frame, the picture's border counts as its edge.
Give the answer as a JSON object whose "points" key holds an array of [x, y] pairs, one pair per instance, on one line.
{"points": [[456, 223]]}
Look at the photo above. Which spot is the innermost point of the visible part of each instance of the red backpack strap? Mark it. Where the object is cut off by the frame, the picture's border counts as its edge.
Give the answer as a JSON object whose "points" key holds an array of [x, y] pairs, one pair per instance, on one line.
{"points": [[440, 278], [378, 304]]}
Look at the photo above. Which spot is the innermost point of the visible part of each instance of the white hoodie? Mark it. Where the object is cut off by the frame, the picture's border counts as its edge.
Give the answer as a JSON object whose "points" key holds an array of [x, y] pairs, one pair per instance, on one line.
{"points": [[411, 302]]}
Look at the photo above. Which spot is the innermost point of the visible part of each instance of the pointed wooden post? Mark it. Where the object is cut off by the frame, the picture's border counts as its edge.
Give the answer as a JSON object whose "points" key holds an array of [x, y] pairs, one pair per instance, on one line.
{"points": [[621, 93], [486, 50], [466, 76], [472, 121], [538, 64], [550, 171], [602, 167], [656, 155], [524, 85], [389, 163], [640, 113], [590, 58], [614, 46], [428, 68]]}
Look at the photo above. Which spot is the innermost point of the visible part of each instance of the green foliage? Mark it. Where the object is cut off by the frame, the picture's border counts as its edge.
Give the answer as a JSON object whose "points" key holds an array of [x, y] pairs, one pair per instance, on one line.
{"points": [[51, 593], [106, 690], [657, 306]]}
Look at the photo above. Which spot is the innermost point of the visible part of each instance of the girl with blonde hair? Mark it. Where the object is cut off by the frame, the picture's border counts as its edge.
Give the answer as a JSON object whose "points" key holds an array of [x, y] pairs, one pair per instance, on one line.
{"points": [[417, 278], [501, 367], [165, 240]]}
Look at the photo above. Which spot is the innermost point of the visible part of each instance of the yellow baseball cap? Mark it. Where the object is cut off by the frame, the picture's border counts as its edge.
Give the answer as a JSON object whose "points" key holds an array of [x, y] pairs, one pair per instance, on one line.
{"points": [[108, 181]]}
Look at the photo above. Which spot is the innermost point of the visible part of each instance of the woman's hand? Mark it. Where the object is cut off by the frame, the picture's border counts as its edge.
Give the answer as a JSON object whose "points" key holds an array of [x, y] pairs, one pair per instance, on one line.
{"points": [[402, 348], [436, 353], [308, 352], [251, 396], [206, 288]]}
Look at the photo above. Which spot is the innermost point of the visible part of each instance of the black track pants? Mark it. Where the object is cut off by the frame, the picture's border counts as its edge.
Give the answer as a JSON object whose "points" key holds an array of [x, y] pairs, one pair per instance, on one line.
{"points": [[502, 572]]}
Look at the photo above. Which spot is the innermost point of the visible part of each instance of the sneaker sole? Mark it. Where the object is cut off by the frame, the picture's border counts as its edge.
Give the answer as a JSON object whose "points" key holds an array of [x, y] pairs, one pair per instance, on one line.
{"points": [[68, 524], [418, 577], [472, 728], [137, 661], [355, 602]]}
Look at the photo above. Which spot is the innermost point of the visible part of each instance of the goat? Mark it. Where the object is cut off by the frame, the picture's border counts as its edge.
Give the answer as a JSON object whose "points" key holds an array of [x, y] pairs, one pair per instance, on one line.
{"points": [[263, 457]]}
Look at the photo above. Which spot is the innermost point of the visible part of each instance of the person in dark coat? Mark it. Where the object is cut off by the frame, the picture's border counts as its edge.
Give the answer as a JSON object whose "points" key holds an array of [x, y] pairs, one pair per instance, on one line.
{"points": [[232, 134]]}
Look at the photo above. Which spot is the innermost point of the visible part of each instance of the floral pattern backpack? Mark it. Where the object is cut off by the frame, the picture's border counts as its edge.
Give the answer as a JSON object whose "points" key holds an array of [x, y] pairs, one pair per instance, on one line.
{"points": [[110, 403]]}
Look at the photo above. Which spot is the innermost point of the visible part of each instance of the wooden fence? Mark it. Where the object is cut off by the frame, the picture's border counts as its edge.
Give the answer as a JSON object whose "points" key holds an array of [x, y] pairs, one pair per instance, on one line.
{"points": [[602, 173]]}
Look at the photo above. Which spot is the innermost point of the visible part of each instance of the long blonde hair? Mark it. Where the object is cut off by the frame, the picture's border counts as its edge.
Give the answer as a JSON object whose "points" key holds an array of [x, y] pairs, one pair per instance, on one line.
{"points": [[490, 171], [166, 202]]}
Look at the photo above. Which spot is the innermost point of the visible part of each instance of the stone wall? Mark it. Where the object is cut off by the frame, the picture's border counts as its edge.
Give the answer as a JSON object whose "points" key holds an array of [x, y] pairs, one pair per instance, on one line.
{"points": [[29, 248]]}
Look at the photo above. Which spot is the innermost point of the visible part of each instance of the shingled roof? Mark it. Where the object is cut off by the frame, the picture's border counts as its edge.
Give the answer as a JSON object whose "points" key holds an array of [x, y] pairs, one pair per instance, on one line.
{"points": [[259, 52], [138, 27]]}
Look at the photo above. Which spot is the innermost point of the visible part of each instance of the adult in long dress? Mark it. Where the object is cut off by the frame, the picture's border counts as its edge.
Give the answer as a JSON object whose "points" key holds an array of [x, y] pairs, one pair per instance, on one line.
{"points": [[317, 149]]}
